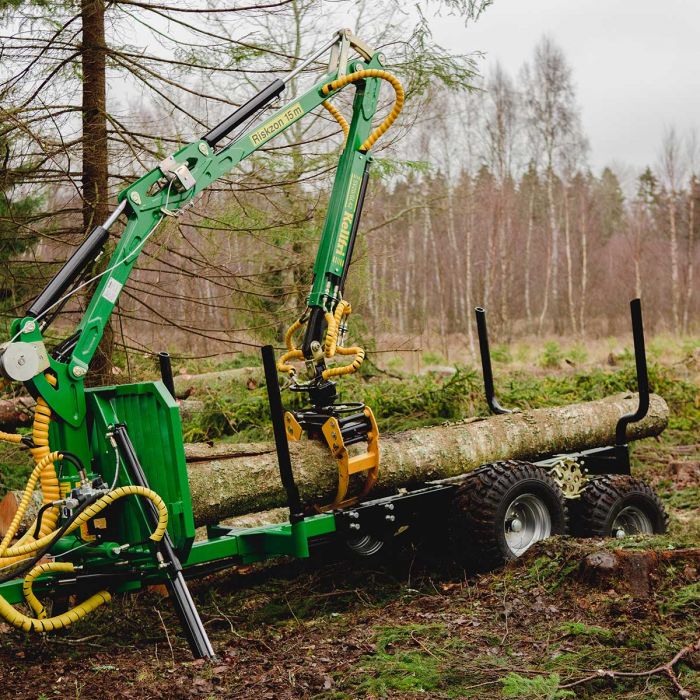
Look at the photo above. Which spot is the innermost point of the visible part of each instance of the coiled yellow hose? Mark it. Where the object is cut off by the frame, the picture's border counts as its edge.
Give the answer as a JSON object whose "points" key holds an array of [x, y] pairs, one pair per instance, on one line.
{"points": [[47, 477], [26, 498], [335, 113], [42, 623], [330, 345], [14, 438], [91, 511], [361, 75]]}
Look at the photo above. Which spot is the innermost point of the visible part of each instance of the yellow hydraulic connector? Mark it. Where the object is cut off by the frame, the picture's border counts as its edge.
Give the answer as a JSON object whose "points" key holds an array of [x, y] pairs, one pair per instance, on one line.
{"points": [[330, 345]]}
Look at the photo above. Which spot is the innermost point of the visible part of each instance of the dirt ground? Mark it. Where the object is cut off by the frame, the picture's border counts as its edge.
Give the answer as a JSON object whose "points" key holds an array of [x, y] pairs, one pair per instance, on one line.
{"points": [[404, 629]]}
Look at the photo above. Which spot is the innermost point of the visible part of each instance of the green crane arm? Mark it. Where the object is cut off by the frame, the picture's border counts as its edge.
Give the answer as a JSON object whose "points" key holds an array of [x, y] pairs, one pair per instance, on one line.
{"points": [[169, 190]]}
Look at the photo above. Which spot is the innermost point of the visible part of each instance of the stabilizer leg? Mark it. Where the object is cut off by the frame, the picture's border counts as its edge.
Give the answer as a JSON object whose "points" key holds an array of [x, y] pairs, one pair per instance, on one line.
{"points": [[182, 600]]}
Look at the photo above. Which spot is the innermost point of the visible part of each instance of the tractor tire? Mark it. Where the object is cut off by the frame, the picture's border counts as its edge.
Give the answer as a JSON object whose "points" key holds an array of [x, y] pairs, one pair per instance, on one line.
{"points": [[617, 505], [500, 510]]}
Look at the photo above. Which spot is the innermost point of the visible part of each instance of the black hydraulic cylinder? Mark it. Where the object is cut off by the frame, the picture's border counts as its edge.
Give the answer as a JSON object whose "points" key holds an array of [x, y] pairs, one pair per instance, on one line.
{"points": [[274, 397], [222, 130], [640, 358], [86, 253], [355, 225], [487, 371], [184, 605], [166, 372]]}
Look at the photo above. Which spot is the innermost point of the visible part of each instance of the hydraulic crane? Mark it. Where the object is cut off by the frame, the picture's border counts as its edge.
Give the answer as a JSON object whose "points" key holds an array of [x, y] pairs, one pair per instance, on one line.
{"points": [[116, 511]]}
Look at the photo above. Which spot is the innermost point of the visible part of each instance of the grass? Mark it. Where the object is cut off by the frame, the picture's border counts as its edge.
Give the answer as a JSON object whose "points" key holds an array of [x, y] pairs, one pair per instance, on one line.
{"points": [[335, 629]]}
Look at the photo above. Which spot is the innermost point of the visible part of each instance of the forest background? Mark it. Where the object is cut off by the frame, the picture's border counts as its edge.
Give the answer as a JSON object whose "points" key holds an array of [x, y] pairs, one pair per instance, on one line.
{"points": [[482, 195]]}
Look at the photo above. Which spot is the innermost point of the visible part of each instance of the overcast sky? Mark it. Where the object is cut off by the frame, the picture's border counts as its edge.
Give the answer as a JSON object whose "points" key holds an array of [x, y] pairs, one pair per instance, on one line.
{"points": [[636, 63]]}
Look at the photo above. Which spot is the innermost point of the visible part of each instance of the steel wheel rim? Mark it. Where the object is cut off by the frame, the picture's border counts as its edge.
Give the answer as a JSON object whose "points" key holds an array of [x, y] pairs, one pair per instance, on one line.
{"points": [[632, 520], [365, 546], [527, 521]]}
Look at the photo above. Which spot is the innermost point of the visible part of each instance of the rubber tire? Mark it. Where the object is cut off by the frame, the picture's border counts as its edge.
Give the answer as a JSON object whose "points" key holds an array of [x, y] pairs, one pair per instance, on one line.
{"points": [[480, 505], [605, 496]]}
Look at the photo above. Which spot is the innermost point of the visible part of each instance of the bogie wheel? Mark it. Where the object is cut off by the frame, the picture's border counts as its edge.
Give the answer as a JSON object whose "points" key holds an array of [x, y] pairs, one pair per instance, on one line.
{"points": [[616, 505], [501, 510]]}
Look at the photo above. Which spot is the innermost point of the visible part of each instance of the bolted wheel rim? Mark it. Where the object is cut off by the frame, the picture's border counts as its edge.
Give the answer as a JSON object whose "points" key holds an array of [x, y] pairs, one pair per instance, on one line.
{"points": [[365, 546], [527, 521], [632, 521]]}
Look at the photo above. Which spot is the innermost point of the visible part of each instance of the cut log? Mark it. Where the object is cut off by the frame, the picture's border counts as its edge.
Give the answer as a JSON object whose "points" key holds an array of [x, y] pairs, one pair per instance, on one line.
{"points": [[16, 412], [8, 508], [187, 385], [225, 486]]}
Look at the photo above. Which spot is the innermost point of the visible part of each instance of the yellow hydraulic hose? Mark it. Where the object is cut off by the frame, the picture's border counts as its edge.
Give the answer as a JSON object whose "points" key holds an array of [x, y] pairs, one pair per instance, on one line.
{"points": [[330, 346], [333, 322], [32, 601], [42, 623], [292, 352], [26, 498], [48, 479], [20, 550], [335, 113], [46, 624], [14, 438], [371, 73]]}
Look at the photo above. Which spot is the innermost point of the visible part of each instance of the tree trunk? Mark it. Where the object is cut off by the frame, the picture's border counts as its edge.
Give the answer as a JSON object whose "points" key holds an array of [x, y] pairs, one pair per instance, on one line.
{"points": [[528, 247], [95, 174], [689, 282], [675, 287], [569, 262], [231, 480], [95, 157]]}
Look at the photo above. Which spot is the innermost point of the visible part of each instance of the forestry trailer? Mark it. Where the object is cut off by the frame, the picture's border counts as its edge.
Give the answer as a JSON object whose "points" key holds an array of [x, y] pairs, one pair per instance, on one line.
{"points": [[110, 461]]}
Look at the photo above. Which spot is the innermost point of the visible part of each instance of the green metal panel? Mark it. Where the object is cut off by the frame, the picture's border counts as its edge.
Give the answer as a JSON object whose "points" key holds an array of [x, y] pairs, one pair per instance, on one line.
{"points": [[152, 418]]}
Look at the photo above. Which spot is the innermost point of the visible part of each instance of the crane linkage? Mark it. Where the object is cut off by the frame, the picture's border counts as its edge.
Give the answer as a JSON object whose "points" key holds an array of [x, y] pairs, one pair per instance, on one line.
{"points": [[94, 447]]}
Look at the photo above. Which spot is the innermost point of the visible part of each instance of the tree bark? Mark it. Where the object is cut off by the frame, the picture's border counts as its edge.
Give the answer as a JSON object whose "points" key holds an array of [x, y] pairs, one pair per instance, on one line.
{"points": [[95, 175], [231, 480]]}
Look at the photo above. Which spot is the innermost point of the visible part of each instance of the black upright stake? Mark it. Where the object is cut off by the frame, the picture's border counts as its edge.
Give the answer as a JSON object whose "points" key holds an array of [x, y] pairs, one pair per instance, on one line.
{"points": [[274, 397], [166, 372], [180, 594], [640, 358], [491, 399]]}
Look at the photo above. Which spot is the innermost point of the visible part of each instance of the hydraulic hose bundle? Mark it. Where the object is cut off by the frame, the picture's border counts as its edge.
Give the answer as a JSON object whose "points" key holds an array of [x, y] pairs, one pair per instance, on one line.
{"points": [[41, 536], [343, 308]]}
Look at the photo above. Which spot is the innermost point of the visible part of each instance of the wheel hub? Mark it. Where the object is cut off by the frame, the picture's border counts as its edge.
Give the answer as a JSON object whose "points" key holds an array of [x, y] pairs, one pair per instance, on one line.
{"points": [[632, 520], [527, 521]]}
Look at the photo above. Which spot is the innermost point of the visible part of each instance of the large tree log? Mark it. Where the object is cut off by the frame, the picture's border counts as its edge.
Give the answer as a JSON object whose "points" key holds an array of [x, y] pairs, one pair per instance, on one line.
{"points": [[231, 480]]}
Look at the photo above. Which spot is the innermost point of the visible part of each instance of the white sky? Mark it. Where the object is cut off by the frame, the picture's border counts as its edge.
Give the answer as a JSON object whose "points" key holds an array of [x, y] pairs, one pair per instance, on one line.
{"points": [[635, 63]]}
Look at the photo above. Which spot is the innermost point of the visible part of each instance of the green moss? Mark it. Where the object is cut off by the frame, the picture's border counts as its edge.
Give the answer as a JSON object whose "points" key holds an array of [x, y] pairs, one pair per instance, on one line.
{"points": [[535, 688]]}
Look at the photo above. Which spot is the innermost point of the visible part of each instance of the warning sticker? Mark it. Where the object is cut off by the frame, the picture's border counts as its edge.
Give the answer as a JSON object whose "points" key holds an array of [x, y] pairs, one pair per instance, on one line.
{"points": [[112, 289]]}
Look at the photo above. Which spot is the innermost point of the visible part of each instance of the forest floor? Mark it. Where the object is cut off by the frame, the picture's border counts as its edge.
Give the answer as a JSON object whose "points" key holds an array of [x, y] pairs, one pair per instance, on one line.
{"points": [[333, 628]]}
